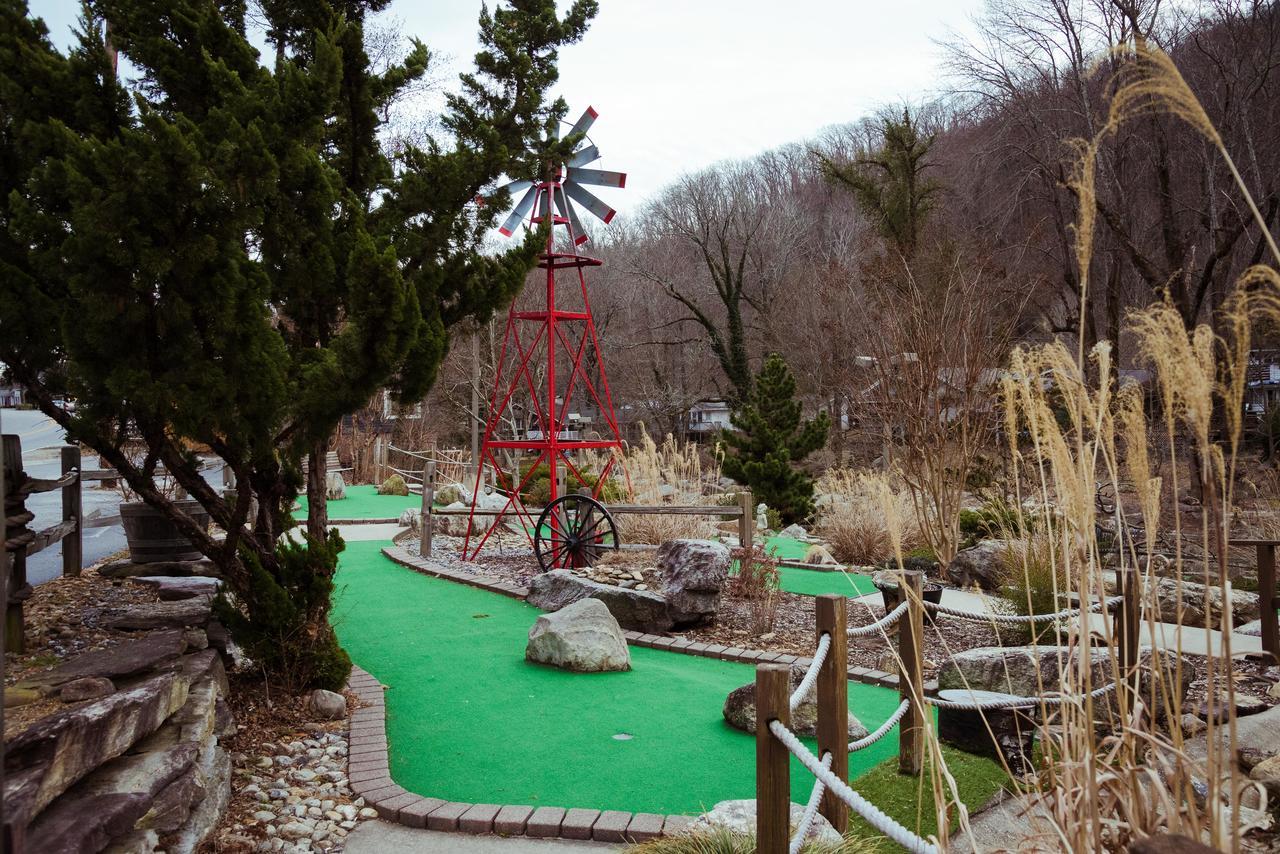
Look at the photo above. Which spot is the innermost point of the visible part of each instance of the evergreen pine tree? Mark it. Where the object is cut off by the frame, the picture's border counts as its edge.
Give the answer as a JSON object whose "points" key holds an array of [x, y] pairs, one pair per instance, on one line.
{"points": [[770, 438], [225, 256]]}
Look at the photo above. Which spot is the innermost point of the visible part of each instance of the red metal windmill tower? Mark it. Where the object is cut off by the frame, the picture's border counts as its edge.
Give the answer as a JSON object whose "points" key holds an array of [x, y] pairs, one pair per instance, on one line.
{"points": [[563, 343]]}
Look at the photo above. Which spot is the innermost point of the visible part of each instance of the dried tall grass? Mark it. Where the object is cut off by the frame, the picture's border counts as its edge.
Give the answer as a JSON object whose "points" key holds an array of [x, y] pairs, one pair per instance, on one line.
{"points": [[1101, 789], [853, 519], [670, 473]]}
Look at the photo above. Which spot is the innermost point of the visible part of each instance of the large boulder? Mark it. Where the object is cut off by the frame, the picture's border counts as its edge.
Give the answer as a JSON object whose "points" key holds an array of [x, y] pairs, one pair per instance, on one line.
{"points": [[128, 569], [637, 610], [740, 817], [1025, 671], [583, 636], [173, 588], [157, 615], [694, 573], [1200, 603], [335, 488], [983, 565], [740, 710]]}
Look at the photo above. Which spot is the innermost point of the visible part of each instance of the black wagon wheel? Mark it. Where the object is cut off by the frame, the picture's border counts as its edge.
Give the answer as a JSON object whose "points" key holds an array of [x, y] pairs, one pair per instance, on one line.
{"points": [[573, 531]]}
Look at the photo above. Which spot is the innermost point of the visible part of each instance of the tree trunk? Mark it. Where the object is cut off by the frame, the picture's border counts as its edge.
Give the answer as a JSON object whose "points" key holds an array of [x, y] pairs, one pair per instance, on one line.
{"points": [[317, 509]]}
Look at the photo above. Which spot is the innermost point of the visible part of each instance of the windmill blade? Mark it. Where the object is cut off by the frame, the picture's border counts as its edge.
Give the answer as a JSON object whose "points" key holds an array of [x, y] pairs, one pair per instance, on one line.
{"points": [[584, 122], [566, 210], [598, 177], [583, 156], [515, 188], [521, 208], [598, 208]]}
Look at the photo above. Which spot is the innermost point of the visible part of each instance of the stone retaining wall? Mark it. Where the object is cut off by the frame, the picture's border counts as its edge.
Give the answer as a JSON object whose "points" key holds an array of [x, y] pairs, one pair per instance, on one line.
{"points": [[140, 768]]}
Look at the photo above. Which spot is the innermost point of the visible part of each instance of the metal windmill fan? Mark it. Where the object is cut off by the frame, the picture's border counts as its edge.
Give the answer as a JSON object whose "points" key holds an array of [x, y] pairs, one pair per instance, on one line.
{"points": [[565, 183]]}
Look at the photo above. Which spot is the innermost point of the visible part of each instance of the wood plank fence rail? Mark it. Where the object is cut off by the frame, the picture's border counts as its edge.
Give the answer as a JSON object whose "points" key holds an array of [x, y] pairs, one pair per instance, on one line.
{"points": [[20, 542]]}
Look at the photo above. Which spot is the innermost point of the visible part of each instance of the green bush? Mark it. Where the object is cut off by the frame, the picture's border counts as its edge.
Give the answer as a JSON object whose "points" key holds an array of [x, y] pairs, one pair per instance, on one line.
{"points": [[394, 485], [537, 489], [1032, 578], [773, 519], [997, 519], [283, 623]]}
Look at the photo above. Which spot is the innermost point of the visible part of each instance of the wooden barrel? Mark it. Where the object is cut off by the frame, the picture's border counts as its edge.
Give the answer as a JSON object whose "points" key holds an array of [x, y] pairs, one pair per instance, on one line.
{"points": [[153, 538]]}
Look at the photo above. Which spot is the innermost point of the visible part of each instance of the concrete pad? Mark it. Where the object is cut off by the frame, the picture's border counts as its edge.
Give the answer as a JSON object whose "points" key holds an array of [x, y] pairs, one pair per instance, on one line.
{"points": [[380, 837], [357, 533], [1192, 640]]}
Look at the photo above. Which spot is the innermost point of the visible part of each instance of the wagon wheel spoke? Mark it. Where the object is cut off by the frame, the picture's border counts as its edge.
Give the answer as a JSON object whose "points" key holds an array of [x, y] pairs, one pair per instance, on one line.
{"points": [[571, 531]]}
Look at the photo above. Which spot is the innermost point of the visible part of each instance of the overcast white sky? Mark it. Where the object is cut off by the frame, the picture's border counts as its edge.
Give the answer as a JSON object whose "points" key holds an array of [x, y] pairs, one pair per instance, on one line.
{"points": [[681, 84]]}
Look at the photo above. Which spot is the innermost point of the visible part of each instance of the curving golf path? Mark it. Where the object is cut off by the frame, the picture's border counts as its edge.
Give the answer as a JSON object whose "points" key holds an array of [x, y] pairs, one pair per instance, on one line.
{"points": [[468, 719]]}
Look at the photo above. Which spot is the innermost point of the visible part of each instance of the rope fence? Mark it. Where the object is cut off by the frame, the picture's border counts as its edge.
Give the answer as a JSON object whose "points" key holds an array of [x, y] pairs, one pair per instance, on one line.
{"points": [[831, 795], [1016, 619]]}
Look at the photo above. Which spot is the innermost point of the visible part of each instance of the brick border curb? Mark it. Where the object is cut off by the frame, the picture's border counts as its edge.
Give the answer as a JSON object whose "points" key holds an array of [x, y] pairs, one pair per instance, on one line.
{"points": [[863, 675], [368, 770]]}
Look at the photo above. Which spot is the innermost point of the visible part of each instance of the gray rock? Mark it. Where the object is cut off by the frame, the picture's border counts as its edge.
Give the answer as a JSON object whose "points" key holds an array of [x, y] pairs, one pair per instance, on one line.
{"points": [[633, 608], [694, 574], [130, 658], [740, 817], [129, 569], [1024, 671], [158, 615], [174, 588], [983, 565], [410, 517], [196, 639], [1200, 603], [59, 750], [86, 688], [111, 801], [795, 531], [740, 710], [582, 636], [335, 488], [327, 705]]}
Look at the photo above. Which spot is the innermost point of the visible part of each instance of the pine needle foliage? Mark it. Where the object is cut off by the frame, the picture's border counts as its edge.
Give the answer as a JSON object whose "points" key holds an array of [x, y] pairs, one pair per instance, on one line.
{"points": [[770, 438], [222, 254]]}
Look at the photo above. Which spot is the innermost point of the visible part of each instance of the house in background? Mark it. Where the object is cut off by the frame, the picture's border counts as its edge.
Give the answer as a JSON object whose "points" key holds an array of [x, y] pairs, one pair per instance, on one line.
{"points": [[708, 417], [1262, 382], [10, 396]]}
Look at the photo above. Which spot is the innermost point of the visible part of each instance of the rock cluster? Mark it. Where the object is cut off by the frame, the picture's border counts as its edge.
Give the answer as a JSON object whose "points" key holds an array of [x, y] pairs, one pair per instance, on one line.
{"points": [[304, 802], [625, 577]]}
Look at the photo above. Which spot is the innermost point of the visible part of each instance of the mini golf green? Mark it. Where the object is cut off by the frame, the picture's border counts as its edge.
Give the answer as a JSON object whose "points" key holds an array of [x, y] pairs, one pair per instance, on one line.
{"points": [[813, 582], [364, 502], [469, 720]]}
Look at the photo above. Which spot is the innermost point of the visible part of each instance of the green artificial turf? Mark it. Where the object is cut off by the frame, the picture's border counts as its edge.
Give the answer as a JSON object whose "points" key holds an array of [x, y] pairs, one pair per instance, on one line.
{"points": [[812, 582], [468, 719], [909, 800], [364, 502]]}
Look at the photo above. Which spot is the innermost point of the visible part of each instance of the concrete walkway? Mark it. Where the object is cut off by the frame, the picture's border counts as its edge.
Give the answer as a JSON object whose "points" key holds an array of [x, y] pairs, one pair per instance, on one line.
{"points": [[380, 837]]}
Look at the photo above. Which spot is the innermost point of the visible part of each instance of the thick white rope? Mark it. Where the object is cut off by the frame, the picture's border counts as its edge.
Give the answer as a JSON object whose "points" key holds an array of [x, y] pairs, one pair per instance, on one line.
{"points": [[1013, 702], [872, 738], [1011, 619], [860, 805], [806, 684], [810, 810], [883, 623]]}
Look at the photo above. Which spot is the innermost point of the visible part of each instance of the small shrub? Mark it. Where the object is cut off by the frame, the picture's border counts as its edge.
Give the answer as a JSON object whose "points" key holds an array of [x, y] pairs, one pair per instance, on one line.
{"points": [[852, 519], [997, 519], [537, 489], [394, 485], [276, 626], [1033, 581], [757, 582]]}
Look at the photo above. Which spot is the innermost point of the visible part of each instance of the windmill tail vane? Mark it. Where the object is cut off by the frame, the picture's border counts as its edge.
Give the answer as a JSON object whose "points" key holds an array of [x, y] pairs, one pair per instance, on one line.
{"points": [[550, 372]]}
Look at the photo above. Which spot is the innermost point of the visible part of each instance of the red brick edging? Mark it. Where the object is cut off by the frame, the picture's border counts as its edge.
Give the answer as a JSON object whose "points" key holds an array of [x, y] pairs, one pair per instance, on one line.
{"points": [[370, 776]]}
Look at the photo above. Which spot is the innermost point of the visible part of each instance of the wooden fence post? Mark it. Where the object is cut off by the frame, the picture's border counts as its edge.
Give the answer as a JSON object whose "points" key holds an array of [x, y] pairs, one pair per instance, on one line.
{"points": [[747, 521], [72, 509], [773, 760], [833, 702], [16, 589], [1266, 598], [1127, 624], [910, 676], [428, 498]]}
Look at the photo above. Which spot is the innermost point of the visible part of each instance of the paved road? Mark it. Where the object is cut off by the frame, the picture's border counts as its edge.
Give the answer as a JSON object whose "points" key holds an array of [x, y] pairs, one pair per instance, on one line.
{"points": [[41, 438]]}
